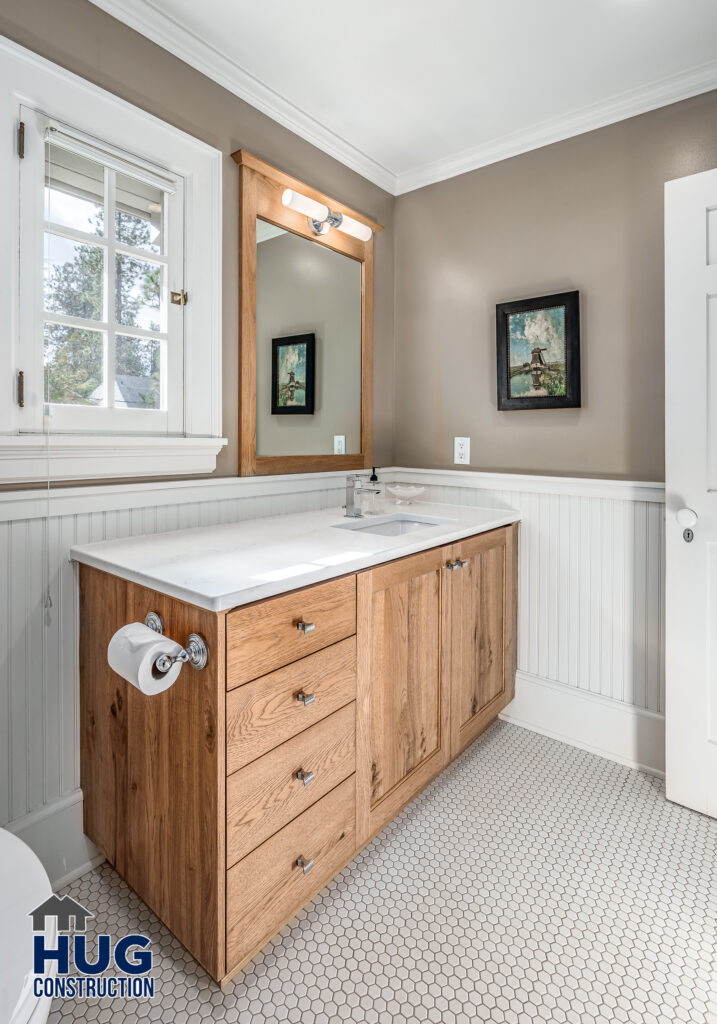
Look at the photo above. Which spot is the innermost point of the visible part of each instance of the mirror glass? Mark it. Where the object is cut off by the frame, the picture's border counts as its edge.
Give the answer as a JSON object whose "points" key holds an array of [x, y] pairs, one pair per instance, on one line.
{"points": [[308, 341]]}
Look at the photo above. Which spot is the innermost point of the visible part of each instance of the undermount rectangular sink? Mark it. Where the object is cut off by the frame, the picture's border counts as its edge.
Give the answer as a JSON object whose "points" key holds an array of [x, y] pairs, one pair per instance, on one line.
{"points": [[391, 525]]}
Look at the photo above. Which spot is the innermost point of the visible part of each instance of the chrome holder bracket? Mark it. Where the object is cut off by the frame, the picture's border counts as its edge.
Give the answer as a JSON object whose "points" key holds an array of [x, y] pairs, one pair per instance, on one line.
{"points": [[195, 651], [155, 621]]}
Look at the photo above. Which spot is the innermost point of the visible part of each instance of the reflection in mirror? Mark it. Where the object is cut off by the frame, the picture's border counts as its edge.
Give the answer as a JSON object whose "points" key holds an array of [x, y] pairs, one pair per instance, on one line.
{"points": [[308, 346]]}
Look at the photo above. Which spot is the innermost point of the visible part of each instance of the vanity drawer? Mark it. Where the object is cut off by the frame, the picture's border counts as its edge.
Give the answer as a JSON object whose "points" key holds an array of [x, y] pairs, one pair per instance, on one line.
{"points": [[266, 712], [267, 794], [270, 634], [267, 887]]}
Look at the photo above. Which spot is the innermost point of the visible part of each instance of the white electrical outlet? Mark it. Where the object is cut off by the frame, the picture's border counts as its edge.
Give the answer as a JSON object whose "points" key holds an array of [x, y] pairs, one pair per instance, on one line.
{"points": [[339, 444], [461, 451]]}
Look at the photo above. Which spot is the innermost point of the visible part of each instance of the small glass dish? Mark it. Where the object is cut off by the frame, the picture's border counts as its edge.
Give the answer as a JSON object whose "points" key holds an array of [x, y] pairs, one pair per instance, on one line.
{"points": [[405, 494]]}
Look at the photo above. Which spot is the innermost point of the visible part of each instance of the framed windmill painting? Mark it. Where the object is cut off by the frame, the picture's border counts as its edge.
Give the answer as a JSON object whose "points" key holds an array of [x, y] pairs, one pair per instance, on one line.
{"points": [[292, 375], [539, 352]]}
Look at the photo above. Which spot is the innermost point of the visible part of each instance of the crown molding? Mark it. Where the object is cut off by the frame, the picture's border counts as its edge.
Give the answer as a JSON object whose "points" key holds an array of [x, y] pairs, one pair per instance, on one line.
{"points": [[145, 17], [660, 93], [171, 35]]}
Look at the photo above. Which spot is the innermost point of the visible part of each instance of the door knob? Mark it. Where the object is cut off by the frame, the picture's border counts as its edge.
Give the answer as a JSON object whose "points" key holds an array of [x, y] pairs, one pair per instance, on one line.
{"points": [[687, 518]]}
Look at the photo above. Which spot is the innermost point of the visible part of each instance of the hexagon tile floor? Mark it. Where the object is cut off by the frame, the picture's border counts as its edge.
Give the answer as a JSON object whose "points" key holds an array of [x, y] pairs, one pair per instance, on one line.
{"points": [[531, 882]]}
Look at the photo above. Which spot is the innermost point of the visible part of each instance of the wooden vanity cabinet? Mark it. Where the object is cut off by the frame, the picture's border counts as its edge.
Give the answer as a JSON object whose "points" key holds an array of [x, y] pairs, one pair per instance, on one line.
{"points": [[228, 801], [402, 700], [479, 630], [436, 636]]}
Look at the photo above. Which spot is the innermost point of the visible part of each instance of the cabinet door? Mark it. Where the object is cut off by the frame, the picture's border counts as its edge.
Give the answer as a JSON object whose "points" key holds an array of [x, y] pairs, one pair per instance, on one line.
{"points": [[402, 712], [479, 623]]}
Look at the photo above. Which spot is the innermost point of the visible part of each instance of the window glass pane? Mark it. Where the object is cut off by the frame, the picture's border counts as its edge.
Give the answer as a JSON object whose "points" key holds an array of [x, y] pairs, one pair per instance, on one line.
{"points": [[74, 365], [74, 273], [137, 373], [139, 214], [74, 191], [137, 293]]}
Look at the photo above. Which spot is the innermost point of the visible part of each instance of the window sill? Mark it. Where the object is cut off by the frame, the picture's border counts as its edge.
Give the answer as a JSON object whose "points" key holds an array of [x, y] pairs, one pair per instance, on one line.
{"points": [[28, 458]]}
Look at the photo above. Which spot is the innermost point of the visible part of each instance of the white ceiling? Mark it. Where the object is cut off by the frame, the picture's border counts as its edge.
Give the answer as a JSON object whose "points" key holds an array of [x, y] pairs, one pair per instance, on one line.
{"points": [[408, 92]]}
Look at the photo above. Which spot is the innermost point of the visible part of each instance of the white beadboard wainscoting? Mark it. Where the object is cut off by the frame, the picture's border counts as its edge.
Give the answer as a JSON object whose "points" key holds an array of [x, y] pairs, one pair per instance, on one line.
{"points": [[590, 637]]}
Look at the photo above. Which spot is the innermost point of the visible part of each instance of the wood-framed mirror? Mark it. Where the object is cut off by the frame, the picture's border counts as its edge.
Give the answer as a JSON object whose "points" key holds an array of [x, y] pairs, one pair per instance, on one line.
{"points": [[305, 333]]}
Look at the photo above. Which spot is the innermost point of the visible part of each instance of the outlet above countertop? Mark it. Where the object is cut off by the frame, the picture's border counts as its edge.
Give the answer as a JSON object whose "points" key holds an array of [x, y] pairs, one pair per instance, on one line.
{"points": [[231, 564]]}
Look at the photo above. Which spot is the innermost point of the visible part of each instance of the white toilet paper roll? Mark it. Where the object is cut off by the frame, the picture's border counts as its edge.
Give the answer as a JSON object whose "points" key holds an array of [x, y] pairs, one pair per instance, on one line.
{"points": [[132, 652]]}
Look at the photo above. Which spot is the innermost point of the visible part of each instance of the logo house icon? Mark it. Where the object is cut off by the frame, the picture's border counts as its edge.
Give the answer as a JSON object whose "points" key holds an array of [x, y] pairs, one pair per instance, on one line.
{"points": [[65, 910]]}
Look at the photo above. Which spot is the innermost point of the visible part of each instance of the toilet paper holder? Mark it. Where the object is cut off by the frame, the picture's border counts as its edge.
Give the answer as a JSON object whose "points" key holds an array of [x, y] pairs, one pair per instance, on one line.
{"points": [[195, 651]]}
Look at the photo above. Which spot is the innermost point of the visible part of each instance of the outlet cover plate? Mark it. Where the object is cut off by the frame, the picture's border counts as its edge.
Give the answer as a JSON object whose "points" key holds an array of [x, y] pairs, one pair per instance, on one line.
{"points": [[339, 444], [461, 451]]}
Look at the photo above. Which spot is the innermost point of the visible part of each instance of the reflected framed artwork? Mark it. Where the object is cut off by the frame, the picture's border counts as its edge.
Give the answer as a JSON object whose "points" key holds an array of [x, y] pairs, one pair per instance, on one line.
{"points": [[292, 375], [538, 349]]}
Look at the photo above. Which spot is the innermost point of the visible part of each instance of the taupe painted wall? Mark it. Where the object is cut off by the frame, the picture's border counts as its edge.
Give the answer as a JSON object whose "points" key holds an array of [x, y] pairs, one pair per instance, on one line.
{"points": [[304, 288], [586, 213], [79, 36]]}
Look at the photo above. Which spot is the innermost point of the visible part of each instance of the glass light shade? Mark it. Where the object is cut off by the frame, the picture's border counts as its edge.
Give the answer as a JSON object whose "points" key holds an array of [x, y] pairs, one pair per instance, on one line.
{"points": [[302, 204], [354, 227]]}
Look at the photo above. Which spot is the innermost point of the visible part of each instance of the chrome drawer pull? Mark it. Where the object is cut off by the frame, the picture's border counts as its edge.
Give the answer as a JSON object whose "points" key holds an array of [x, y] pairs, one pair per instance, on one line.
{"points": [[453, 565], [305, 865], [306, 627], [305, 777], [306, 698]]}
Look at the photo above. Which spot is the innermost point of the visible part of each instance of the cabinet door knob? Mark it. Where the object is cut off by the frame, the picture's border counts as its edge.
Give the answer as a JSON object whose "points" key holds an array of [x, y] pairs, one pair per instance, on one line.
{"points": [[464, 564], [453, 565], [306, 698], [306, 627], [304, 864], [305, 777]]}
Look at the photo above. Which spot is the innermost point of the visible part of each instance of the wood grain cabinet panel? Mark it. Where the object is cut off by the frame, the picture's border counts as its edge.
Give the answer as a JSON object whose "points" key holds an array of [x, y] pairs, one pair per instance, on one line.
{"points": [[266, 888], [268, 793], [402, 706], [152, 768], [267, 635], [479, 618], [266, 712]]}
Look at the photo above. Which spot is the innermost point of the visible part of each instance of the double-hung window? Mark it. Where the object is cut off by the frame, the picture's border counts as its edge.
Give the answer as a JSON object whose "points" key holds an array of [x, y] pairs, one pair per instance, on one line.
{"points": [[110, 283]]}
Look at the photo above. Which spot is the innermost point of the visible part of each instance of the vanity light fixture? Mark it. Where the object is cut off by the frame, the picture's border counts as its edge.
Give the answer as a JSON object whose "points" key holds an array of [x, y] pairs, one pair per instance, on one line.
{"points": [[321, 218]]}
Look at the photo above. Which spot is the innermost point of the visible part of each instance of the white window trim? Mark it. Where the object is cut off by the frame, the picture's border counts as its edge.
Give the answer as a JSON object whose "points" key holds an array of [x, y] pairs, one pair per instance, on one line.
{"points": [[29, 80]]}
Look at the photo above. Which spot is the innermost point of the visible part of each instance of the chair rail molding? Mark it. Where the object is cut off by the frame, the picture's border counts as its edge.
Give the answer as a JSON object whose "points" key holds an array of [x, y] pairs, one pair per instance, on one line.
{"points": [[590, 598]]}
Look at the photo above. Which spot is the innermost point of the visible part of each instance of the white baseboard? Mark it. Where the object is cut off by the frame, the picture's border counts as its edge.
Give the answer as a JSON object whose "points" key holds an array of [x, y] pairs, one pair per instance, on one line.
{"points": [[55, 834], [611, 728]]}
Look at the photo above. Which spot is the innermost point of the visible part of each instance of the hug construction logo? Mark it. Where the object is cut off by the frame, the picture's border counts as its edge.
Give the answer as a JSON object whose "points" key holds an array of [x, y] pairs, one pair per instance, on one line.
{"points": [[68, 969]]}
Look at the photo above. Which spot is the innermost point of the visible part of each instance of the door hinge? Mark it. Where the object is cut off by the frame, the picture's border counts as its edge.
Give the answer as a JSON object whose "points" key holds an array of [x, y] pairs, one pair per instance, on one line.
{"points": [[21, 388], [179, 298], [21, 140]]}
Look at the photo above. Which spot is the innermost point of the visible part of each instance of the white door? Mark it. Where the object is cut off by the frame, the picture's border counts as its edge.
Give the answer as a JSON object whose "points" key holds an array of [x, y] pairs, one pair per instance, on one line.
{"points": [[691, 489]]}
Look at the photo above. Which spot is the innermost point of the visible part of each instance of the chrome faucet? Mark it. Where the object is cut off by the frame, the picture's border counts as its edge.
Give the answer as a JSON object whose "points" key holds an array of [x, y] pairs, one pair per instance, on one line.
{"points": [[354, 490]]}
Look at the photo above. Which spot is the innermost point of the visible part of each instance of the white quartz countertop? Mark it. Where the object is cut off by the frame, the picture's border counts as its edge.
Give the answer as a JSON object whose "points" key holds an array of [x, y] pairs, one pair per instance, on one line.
{"points": [[221, 567]]}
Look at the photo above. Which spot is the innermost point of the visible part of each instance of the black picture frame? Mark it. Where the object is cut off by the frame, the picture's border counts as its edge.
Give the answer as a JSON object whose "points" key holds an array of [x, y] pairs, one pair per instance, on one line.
{"points": [[307, 408], [541, 376]]}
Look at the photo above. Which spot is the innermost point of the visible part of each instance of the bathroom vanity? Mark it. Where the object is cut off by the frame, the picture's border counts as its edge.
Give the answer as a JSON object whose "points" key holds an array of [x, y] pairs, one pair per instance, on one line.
{"points": [[229, 800]]}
